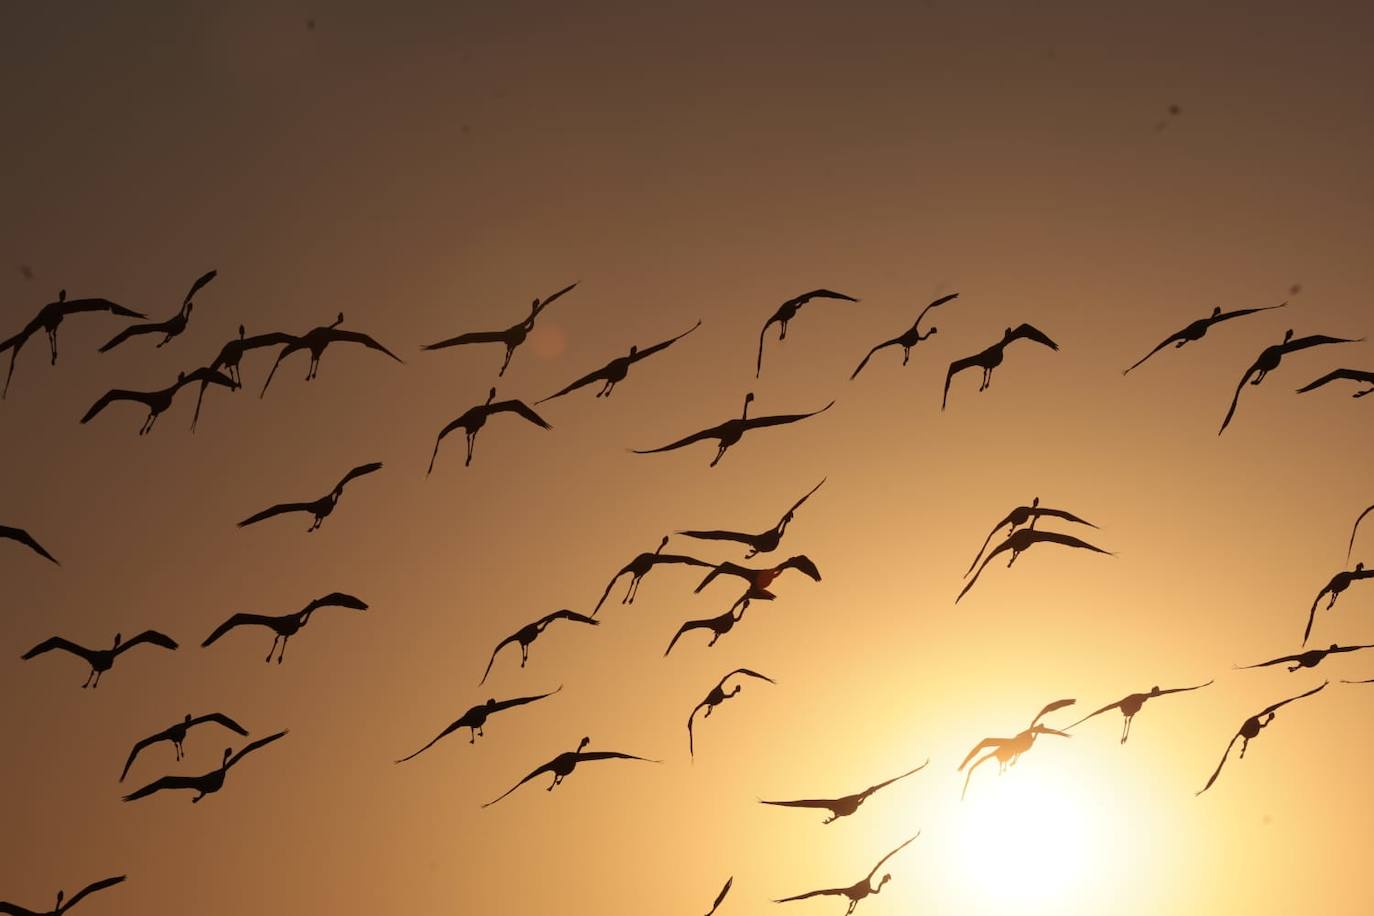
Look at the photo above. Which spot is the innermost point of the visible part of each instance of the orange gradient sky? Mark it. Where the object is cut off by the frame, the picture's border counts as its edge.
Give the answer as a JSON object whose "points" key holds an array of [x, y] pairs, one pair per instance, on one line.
{"points": [[427, 170]]}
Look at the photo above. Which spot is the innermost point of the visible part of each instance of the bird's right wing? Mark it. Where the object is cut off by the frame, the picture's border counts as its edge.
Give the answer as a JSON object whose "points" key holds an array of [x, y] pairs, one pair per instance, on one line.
{"points": [[360, 471], [491, 661], [523, 409], [279, 509], [1176, 336], [864, 362], [91, 889], [1235, 399], [747, 671], [664, 344], [726, 568], [959, 365], [717, 535], [238, 620], [452, 727], [1281, 703], [801, 803], [830, 890], [108, 398], [1217, 771], [252, 746], [712, 433], [470, 338], [23, 537], [1312, 615], [546, 767], [132, 330], [196, 286], [57, 642], [720, 898], [780, 419], [1049, 708], [584, 380], [982, 745], [166, 782], [72, 306], [336, 599], [1353, 531], [152, 739], [1096, 712], [686, 627]]}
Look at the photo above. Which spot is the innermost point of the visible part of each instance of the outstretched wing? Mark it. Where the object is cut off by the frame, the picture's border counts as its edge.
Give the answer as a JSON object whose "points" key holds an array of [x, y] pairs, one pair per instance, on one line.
{"points": [[360, 471], [521, 408], [986, 541], [887, 782], [959, 365], [835, 891], [1198, 686], [450, 729], [609, 585], [23, 537], [548, 767], [238, 620], [57, 642], [150, 637], [1068, 540], [1031, 332], [207, 376], [981, 746], [336, 599], [1336, 375], [1049, 708], [713, 433], [780, 419], [587, 379], [1066, 516], [798, 504], [14, 909], [1226, 316], [575, 617], [891, 854], [252, 746], [469, 338], [108, 398], [196, 286], [1004, 546], [221, 719], [1272, 661], [720, 898], [151, 739], [758, 367], [72, 306], [91, 889], [802, 564], [686, 627], [941, 301], [545, 303], [491, 661], [337, 336], [132, 330], [166, 782], [663, 345], [1217, 771], [749, 672], [1097, 712], [864, 362], [521, 701], [726, 568], [717, 535], [1281, 703], [279, 509], [801, 803], [611, 755], [1172, 338], [820, 294], [1316, 340], [1312, 614]]}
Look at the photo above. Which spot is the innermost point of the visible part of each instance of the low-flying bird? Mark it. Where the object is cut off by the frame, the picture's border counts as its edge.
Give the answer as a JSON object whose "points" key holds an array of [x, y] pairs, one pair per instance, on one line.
{"points": [[172, 327], [1309, 659], [530, 632], [1269, 360], [1362, 376], [615, 371], [991, 358], [720, 898], [21, 536], [847, 805], [639, 567], [49, 317], [764, 542], [715, 697], [512, 336], [1355, 530], [161, 399], [206, 783], [320, 508], [1251, 728], [177, 734], [1009, 750], [316, 340], [231, 354], [731, 431], [908, 338], [1023, 539], [474, 418], [719, 625], [562, 766], [1023, 515], [286, 625], [101, 660], [476, 717], [787, 311], [1130, 706], [1198, 329], [1339, 583], [14, 909], [859, 889]]}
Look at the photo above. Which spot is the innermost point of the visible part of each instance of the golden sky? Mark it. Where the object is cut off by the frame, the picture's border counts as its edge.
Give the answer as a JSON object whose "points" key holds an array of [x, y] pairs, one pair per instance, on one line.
{"points": [[431, 168]]}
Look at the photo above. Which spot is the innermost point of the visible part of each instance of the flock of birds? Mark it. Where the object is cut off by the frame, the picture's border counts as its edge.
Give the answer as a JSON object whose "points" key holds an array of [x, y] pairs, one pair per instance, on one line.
{"points": [[1023, 528]]}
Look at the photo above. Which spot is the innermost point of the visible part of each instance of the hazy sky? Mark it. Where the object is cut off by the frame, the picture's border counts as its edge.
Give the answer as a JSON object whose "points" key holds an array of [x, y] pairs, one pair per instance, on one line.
{"points": [[428, 169]]}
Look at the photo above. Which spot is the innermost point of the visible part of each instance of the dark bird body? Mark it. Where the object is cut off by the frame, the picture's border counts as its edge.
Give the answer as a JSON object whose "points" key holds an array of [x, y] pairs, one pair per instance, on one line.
{"points": [[158, 401], [1009, 750], [719, 626], [991, 358], [614, 372], [286, 625], [846, 805], [231, 354], [764, 542], [206, 783], [562, 766], [857, 891], [1338, 584], [320, 508], [1198, 329], [787, 311], [169, 329], [1131, 705], [1251, 728], [101, 660], [530, 632], [908, 338], [1269, 360], [759, 579], [717, 695], [177, 734], [316, 340], [1023, 515], [731, 431], [474, 418], [1023, 539], [639, 567], [512, 337], [49, 318], [14, 909], [20, 536], [476, 717]]}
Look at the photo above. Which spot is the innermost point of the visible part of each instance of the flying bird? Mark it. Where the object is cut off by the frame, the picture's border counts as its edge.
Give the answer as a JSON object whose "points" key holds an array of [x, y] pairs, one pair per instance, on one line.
{"points": [[847, 805], [1339, 583], [859, 889], [206, 783], [908, 338], [787, 311], [512, 336], [1251, 728], [1021, 515], [320, 508], [1309, 659], [1130, 705], [316, 340], [1362, 376], [476, 717], [286, 625], [21, 536], [991, 358], [530, 632], [760, 579], [615, 371], [474, 418], [731, 431], [715, 697], [1269, 360], [720, 898], [177, 734], [764, 542], [14, 909], [231, 354], [1009, 750], [172, 327], [718, 626], [639, 567], [49, 317], [1198, 329], [563, 765], [158, 401], [101, 660], [1023, 539], [1355, 530]]}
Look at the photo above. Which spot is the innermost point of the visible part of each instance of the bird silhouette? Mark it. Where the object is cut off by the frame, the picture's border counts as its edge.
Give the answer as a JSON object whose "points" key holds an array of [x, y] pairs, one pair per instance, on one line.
{"points": [[21, 536], [1355, 530], [286, 625], [530, 632], [615, 371], [991, 358], [719, 625], [14, 909], [639, 567], [759, 579], [720, 898], [848, 804], [172, 327], [159, 400], [206, 783], [1346, 375], [474, 418], [1009, 750], [512, 336], [908, 338], [859, 889], [476, 717], [1131, 704], [1023, 539], [320, 508], [787, 311], [1309, 659], [562, 766], [764, 542], [1022, 515], [715, 697], [101, 660], [1198, 329], [1339, 583], [231, 354], [177, 734], [1251, 728], [316, 340], [731, 431], [49, 318], [1269, 360]]}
